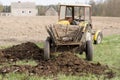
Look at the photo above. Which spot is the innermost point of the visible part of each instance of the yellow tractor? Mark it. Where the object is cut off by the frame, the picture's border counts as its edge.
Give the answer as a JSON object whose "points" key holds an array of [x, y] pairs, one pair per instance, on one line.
{"points": [[73, 32], [79, 14]]}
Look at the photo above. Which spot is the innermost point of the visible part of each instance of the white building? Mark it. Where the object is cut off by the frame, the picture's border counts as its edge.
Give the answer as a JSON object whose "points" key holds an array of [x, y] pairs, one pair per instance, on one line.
{"points": [[5, 14], [23, 9]]}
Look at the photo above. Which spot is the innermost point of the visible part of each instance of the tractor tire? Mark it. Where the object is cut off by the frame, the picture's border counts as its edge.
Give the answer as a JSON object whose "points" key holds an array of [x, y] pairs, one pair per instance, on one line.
{"points": [[99, 38], [89, 51], [47, 48]]}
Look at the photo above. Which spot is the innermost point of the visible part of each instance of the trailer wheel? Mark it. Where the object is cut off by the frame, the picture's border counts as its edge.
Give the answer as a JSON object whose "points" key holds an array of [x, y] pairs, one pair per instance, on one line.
{"points": [[89, 50], [47, 48], [99, 38]]}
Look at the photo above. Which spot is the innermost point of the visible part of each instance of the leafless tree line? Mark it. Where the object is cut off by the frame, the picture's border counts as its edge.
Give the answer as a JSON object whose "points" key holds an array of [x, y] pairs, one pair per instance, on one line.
{"points": [[106, 8]]}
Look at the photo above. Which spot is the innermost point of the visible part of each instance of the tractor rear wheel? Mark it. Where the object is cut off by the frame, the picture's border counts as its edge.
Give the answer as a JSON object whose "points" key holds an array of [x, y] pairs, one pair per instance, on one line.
{"points": [[47, 48], [89, 50]]}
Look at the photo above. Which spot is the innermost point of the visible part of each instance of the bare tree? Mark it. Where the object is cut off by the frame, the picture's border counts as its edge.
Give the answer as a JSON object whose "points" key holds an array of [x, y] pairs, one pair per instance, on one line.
{"points": [[1, 7]]}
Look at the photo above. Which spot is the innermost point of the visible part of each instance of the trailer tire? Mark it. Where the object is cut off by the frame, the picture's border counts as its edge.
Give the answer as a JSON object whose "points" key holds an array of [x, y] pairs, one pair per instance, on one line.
{"points": [[47, 48], [89, 51]]}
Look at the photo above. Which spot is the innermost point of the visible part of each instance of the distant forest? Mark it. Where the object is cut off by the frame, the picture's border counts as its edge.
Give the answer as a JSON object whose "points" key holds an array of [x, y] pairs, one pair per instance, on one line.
{"points": [[105, 8]]}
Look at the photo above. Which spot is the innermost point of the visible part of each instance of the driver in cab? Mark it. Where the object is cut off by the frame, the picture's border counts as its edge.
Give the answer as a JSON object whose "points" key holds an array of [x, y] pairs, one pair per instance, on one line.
{"points": [[67, 21]]}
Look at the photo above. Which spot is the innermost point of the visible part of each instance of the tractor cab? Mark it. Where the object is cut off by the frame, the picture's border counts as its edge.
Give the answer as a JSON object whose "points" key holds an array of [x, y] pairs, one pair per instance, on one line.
{"points": [[80, 15], [74, 14]]}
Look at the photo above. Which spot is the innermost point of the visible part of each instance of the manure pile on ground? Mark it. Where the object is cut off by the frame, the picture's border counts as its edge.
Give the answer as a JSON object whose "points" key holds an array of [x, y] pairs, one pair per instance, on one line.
{"points": [[20, 52], [66, 63]]}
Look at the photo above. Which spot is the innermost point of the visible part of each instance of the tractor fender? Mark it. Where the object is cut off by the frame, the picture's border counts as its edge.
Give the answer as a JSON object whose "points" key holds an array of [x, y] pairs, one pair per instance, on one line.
{"points": [[63, 22], [96, 34], [84, 25]]}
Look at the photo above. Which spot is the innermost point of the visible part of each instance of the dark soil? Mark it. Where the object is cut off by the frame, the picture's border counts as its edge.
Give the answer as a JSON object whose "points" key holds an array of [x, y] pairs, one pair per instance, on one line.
{"points": [[66, 63], [23, 51]]}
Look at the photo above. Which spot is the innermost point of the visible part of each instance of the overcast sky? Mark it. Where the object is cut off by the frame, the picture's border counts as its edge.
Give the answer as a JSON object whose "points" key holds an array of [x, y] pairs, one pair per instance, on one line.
{"points": [[45, 2]]}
